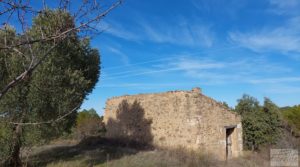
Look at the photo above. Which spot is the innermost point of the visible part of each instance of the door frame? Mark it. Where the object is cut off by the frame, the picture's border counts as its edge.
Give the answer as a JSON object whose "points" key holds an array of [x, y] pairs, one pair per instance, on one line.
{"points": [[229, 130]]}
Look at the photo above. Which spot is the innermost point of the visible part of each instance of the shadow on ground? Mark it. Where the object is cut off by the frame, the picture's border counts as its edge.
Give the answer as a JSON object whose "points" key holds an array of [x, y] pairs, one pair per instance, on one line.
{"points": [[130, 128], [92, 150]]}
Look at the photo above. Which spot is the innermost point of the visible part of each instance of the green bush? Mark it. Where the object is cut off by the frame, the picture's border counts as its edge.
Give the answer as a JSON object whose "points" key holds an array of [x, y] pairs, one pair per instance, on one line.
{"points": [[88, 123], [261, 124], [291, 115]]}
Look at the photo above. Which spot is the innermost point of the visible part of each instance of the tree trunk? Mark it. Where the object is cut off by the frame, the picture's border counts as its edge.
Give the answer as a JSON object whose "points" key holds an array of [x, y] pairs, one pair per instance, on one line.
{"points": [[14, 159]]}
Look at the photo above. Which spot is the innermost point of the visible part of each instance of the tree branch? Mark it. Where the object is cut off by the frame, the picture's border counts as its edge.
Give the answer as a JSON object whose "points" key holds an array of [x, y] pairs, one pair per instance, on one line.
{"points": [[24, 74], [53, 37], [47, 122], [62, 35]]}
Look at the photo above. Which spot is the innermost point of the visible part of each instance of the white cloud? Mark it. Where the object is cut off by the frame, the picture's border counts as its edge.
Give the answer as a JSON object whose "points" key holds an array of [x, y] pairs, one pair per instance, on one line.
{"points": [[209, 71], [194, 64], [118, 31], [124, 57], [285, 7], [180, 34], [161, 32], [214, 71], [169, 65], [242, 71], [284, 39], [285, 3], [228, 8]]}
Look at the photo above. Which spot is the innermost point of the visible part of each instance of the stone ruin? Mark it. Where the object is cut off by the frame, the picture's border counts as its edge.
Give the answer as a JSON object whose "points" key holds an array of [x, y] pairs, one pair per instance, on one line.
{"points": [[176, 119]]}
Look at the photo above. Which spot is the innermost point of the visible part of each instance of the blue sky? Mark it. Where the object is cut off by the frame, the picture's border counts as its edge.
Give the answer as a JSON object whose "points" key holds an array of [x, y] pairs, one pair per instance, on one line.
{"points": [[225, 47]]}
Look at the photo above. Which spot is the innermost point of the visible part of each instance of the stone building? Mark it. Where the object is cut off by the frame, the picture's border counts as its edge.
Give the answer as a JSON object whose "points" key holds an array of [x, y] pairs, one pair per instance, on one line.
{"points": [[175, 119]]}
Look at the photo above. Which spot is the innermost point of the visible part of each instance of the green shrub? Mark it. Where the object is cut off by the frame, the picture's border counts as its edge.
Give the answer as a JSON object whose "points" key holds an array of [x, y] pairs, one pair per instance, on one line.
{"points": [[88, 123], [261, 124], [291, 115]]}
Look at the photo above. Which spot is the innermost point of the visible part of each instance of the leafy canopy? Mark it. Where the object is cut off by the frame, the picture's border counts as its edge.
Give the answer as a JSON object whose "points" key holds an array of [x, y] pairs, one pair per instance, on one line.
{"points": [[292, 116], [89, 123], [261, 124]]}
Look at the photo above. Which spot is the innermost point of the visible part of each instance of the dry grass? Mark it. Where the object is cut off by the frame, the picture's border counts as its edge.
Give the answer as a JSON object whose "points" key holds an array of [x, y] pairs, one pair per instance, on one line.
{"points": [[91, 151], [177, 158], [75, 163], [167, 159], [101, 152]]}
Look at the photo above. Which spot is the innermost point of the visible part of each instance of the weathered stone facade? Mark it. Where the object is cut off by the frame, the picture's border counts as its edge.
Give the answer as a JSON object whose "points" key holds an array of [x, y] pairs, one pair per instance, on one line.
{"points": [[176, 119]]}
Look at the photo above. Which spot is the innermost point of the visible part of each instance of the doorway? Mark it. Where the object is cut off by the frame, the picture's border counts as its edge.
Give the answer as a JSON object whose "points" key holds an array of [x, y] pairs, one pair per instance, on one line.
{"points": [[229, 132]]}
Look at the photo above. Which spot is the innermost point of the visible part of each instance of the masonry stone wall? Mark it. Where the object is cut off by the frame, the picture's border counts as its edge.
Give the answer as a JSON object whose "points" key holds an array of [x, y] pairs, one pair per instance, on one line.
{"points": [[174, 119]]}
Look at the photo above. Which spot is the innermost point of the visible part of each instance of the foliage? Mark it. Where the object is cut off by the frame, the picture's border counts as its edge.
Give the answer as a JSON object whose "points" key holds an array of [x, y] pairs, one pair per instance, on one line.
{"points": [[226, 105], [247, 104], [292, 117], [261, 124], [85, 115], [89, 123], [56, 87], [272, 117], [5, 135]]}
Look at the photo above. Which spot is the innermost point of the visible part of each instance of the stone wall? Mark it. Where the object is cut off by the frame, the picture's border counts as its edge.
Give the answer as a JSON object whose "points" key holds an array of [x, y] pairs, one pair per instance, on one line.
{"points": [[174, 119]]}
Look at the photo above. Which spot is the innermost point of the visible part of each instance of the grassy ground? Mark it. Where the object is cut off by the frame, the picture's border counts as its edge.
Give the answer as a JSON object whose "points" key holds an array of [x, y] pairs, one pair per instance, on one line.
{"points": [[166, 159], [100, 152], [91, 151]]}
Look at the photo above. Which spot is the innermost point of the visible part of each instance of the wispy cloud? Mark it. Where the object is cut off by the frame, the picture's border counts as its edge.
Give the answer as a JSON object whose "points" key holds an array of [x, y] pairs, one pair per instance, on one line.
{"points": [[124, 57], [229, 8], [118, 30], [194, 64], [275, 80], [214, 71], [285, 4], [210, 71], [163, 32], [284, 39], [289, 7], [230, 71], [282, 89], [180, 34]]}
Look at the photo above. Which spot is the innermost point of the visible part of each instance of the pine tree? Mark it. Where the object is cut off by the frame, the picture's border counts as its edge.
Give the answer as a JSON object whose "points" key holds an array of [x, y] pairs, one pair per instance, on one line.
{"points": [[49, 98]]}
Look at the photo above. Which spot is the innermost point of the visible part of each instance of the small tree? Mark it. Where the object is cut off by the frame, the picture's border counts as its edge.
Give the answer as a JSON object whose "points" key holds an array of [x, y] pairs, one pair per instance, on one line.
{"points": [[261, 124], [88, 123], [272, 114], [291, 115], [56, 89], [247, 104]]}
